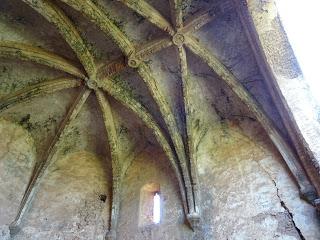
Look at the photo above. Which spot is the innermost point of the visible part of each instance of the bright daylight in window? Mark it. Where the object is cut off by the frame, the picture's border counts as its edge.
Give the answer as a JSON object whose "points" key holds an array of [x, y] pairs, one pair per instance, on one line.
{"points": [[301, 20], [156, 208]]}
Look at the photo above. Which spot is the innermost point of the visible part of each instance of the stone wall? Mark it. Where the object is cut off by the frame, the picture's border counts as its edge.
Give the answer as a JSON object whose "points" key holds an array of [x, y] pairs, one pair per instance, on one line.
{"points": [[246, 191], [288, 80]]}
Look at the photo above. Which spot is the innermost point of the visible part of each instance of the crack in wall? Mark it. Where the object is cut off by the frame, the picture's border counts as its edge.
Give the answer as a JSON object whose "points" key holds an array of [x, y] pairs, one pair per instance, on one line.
{"points": [[282, 203], [284, 206]]}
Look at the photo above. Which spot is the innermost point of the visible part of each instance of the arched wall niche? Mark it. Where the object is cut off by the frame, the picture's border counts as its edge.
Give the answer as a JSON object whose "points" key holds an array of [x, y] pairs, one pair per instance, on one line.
{"points": [[149, 172], [73, 200], [245, 190], [147, 203]]}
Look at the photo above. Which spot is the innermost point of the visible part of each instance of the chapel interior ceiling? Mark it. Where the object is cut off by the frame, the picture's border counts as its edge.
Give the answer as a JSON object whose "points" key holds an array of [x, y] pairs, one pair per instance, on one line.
{"points": [[132, 75]]}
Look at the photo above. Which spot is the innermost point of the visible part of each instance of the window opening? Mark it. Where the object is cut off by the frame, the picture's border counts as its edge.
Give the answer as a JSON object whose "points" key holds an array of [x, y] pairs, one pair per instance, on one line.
{"points": [[150, 205], [300, 20], [156, 208]]}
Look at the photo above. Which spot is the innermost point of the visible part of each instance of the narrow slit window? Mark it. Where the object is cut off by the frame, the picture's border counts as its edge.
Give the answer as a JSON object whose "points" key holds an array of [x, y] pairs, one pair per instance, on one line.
{"points": [[150, 205], [156, 208]]}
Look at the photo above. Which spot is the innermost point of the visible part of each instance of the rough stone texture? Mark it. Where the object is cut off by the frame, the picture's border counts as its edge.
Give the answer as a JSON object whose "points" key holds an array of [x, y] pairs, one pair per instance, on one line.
{"points": [[253, 195], [246, 190], [70, 204], [289, 78], [17, 159], [151, 166], [4, 232]]}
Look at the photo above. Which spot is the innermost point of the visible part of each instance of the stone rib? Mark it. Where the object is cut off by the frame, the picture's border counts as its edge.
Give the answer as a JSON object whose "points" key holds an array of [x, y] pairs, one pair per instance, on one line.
{"points": [[188, 121], [115, 157], [125, 98], [25, 52], [36, 90], [199, 21], [171, 123], [152, 47], [97, 15], [45, 161], [176, 13], [142, 53], [237, 88], [149, 12], [109, 69], [101, 19], [66, 28]]}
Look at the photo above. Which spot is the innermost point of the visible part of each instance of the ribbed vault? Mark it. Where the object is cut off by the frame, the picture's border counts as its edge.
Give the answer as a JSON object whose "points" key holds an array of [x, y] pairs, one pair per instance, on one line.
{"points": [[171, 123]]}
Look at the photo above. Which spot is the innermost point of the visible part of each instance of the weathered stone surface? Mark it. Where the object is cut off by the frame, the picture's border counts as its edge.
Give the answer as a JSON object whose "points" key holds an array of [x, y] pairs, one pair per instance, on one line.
{"points": [[254, 197], [70, 202], [289, 79], [17, 157], [4, 232], [246, 192]]}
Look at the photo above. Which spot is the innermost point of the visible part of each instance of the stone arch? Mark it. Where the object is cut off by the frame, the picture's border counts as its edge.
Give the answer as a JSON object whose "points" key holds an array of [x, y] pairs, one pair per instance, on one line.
{"points": [[72, 201], [17, 158]]}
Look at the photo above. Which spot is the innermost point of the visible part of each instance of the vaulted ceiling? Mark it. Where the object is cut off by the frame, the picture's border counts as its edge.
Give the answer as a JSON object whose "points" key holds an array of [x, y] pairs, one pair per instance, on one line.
{"points": [[143, 66]]}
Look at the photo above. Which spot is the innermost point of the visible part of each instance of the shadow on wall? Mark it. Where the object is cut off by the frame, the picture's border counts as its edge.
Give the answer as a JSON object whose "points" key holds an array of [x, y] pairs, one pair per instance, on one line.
{"points": [[72, 201]]}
